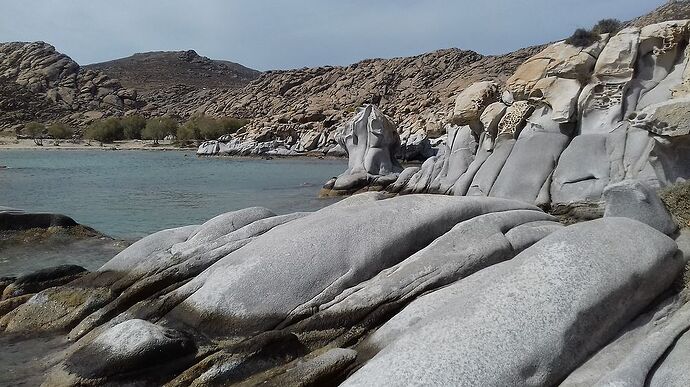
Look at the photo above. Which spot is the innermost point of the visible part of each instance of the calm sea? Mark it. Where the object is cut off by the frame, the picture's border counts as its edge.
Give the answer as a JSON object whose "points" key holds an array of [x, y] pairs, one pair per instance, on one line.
{"points": [[130, 194]]}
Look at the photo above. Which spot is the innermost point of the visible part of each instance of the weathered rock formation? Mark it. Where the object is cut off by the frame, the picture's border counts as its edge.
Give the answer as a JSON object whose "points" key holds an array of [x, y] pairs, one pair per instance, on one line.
{"points": [[570, 122], [70, 92], [361, 292]]}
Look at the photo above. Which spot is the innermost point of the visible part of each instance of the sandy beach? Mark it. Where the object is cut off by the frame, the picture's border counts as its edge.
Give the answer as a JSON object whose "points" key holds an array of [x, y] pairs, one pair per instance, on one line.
{"points": [[13, 143]]}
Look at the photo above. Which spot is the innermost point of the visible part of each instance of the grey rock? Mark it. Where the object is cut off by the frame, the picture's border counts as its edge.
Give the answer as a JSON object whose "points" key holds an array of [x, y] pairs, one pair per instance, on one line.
{"points": [[630, 359], [371, 141], [583, 170], [317, 371], [131, 347], [635, 200], [19, 220], [263, 284], [42, 279], [470, 246], [673, 371], [555, 294]]}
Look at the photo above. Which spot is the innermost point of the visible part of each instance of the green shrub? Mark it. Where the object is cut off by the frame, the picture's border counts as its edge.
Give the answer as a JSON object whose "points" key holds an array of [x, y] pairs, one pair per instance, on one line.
{"points": [[582, 38], [105, 131], [209, 128], [158, 128], [188, 132], [677, 199], [60, 131], [132, 126], [36, 131], [231, 125], [607, 26]]}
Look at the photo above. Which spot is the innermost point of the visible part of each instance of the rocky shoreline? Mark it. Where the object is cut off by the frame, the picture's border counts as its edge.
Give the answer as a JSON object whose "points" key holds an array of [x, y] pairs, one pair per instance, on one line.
{"points": [[355, 293]]}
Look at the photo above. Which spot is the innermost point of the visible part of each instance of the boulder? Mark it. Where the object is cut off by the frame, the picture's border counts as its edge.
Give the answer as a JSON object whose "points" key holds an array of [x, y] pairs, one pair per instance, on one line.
{"points": [[635, 200], [560, 60], [637, 355], [42, 279], [468, 247], [263, 284], [471, 102], [19, 220], [124, 350], [583, 170], [371, 141], [566, 297]]}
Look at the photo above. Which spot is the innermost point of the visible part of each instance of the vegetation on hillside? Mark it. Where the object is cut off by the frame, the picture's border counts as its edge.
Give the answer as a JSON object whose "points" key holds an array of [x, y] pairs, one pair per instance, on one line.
{"points": [[583, 37], [201, 128], [607, 26]]}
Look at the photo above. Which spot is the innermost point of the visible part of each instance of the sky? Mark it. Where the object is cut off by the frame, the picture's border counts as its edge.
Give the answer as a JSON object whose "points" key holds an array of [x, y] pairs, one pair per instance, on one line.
{"points": [[284, 34]]}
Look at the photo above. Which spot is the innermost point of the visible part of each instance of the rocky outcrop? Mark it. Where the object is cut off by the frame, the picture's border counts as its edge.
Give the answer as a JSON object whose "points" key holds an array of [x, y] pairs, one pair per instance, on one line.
{"points": [[72, 93], [464, 334], [570, 121], [16, 220], [364, 284], [672, 10], [371, 142]]}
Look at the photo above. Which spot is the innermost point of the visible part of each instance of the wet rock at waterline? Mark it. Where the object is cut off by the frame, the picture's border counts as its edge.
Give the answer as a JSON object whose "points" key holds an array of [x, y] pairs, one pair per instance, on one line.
{"points": [[15, 220], [257, 297]]}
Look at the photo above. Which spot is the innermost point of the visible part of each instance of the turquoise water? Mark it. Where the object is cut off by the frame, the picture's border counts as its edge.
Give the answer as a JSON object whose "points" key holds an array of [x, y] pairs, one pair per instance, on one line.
{"points": [[129, 194]]}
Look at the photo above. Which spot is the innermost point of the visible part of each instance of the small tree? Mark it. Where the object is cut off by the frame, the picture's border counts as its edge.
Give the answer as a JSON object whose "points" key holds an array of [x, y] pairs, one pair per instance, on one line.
{"points": [[60, 131], [607, 26], [133, 126], [158, 128], [188, 132], [105, 131], [36, 131]]}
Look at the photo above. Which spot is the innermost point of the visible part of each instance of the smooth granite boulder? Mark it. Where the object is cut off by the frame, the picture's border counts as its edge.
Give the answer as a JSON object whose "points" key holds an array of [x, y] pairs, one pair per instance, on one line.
{"points": [[635, 200], [673, 371], [125, 350], [470, 246], [264, 284], [531, 320], [583, 170], [633, 357]]}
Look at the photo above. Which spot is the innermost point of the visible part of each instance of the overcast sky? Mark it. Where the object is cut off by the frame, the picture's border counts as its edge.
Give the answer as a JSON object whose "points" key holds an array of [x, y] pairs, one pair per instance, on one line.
{"points": [[282, 34]]}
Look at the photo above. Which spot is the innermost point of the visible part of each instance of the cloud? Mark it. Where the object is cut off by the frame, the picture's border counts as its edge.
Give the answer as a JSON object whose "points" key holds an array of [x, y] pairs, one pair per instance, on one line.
{"points": [[283, 34]]}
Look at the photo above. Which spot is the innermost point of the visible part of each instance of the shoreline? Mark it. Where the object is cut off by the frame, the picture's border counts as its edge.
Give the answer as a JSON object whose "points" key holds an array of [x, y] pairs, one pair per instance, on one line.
{"points": [[28, 145]]}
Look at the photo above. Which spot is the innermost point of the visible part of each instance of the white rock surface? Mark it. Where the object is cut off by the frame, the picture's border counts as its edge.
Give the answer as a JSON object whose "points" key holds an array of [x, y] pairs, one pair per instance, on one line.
{"points": [[531, 320]]}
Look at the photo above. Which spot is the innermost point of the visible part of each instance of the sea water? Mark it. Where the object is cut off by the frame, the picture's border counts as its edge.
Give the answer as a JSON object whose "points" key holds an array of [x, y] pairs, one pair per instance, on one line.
{"points": [[130, 194]]}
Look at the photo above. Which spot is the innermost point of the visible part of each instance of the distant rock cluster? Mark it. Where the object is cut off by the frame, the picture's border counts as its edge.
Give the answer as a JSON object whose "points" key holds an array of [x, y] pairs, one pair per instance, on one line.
{"points": [[569, 122]]}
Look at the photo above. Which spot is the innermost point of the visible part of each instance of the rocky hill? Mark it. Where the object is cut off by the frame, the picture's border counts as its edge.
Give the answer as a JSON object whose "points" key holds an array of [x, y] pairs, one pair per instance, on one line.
{"points": [[300, 109], [39, 83], [153, 71], [673, 10]]}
